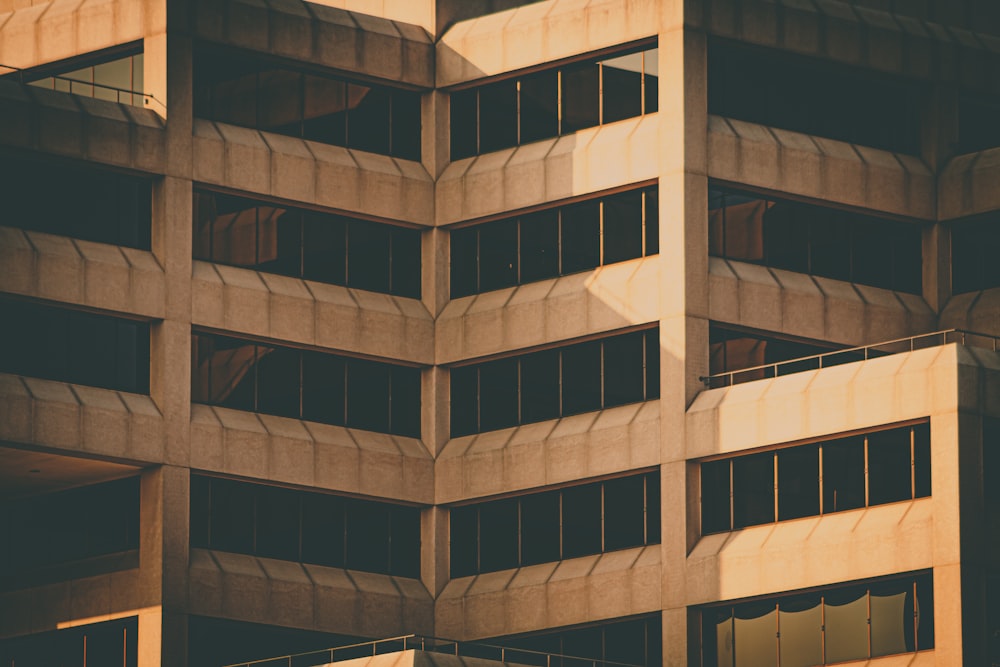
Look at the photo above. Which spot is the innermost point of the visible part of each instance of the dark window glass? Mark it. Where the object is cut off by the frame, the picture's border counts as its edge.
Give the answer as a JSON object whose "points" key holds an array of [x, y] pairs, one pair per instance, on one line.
{"points": [[323, 529], [498, 537], [715, 497], [786, 235], [497, 255], [539, 102], [539, 245], [464, 540], [653, 508], [622, 235], [110, 644], [324, 248], [405, 254], [214, 641], [977, 127], [624, 524], [846, 622], [798, 482], [622, 355], [753, 490], [830, 247], [498, 116], [200, 498], [464, 400], [404, 547], [325, 106], [540, 528], [889, 471], [651, 80], [368, 118], [581, 528], [581, 378], [368, 256], [580, 97], [652, 364], [972, 244], [406, 125], [367, 536], [843, 474], [925, 612], [278, 381], [921, 460], [580, 230], [622, 87], [279, 101], [277, 523], [498, 404], [405, 401], [540, 386], [464, 262], [323, 388], [368, 395], [652, 221], [232, 516], [625, 643], [464, 114]]}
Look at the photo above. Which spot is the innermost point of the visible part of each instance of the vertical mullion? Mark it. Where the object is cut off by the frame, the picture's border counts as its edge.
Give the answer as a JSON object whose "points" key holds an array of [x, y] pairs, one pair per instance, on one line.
{"points": [[642, 221], [253, 511], [821, 480], [732, 498], [560, 383], [774, 463], [868, 601], [600, 233], [301, 525], [601, 362], [518, 388], [822, 625], [559, 241], [392, 236], [913, 466], [388, 407], [479, 400], [517, 111], [256, 380], [561, 545], [520, 537], [392, 97], [302, 383], [517, 250], [478, 121], [602, 517], [867, 475], [559, 103], [600, 94], [344, 380]]}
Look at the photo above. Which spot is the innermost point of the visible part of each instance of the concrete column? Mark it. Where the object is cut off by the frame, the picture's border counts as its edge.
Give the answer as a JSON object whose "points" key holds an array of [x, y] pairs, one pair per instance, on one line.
{"points": [[435, 562]]}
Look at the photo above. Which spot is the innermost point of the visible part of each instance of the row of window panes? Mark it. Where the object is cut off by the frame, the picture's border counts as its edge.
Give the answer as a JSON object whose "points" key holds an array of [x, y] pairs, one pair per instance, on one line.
{"points": [[635, 641], [108, 644], [71, 346], [117, 80], [91, 204], [316, 386], [552, 102], [305, 527], [814, 239], [243, 91], [807, 480], [67, 526], [812, 96], [555, 383], [555, 525], [837, 624], [213, 642], [554, 242], [306, 244], [974, 264]]}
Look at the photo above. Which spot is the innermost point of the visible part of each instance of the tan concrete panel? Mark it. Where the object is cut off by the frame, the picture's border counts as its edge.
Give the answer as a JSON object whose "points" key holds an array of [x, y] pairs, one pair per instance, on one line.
{"points": [[579, 447], [292, 451], [784, 161], [538, 33], [815, 551], [349, 320], [967, 185], [550, 595], [592, 160]]}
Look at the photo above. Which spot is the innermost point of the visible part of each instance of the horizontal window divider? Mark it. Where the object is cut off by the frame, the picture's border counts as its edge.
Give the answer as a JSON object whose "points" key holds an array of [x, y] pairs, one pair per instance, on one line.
{"points": [[85, 60], [812, 440], [81, 308], [518, 493], [600, 335]]}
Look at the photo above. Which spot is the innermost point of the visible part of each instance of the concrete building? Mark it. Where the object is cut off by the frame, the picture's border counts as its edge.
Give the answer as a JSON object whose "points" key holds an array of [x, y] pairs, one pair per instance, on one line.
{"points": [[347, 319]]}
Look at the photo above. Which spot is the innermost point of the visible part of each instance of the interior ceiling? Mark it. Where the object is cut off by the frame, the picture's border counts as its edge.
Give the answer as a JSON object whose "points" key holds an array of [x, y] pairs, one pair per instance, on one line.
{"points": [[25, 472]]}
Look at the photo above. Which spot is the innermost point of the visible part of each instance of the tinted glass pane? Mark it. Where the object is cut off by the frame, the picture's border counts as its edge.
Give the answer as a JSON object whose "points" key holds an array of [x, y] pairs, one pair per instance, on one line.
{"points": [[830, 246], [279, 101], [624, 520], [498, 401], [199, 511], [801, 626], [232, 379], [652, 363], [539, 246], [622, 227], [367, 395], [323, 529], [278, 384], [498, 536], [540, 528], [753, 490], [277, 523], [539, 101], [625, 643], [651, 79], [581, 236], [406, 124], [846, 617], [922, 460], [798, 482], [622, 87], [405, 542], [580, 97], [498, 116], [925, 612], [464, 262], [907, 259], [581, 378], [325, 110], [231, 519], [652, 201], [323, 388], [715, 497], [786, 234], [406, 262], [368, 256], [966, 264], [581, 513], [623, 369], [464, 541], [872, 251], [405, 401], [464, 400], [889, 466], [497, 255], [540, 386], [324, 248], [843, 474], [463, 124], [368, 118], [653, 508], [755, 629], [367, 536], [892, 617]]}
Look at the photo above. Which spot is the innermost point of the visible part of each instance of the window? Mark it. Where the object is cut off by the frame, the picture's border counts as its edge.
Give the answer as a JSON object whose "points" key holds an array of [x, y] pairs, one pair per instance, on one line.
{"points": [[977, 129], [778, 89], [42, 532], [553, 102], [241, 90], [750, 356], [76, 347], [215, 641], [111, 644], [973, 262], [555, 525], [306, 527], [834, 475], [554, 242], [631, 641], [822, 241], [306, 244], [83, 202], [317, 386], [554, 383], [104, 76], [854, 621]]}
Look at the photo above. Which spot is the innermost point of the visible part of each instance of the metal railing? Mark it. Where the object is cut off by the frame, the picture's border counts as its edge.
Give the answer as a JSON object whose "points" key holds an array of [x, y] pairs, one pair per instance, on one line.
{"points": [[18, 73], [851, 354], [430, 644]]}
